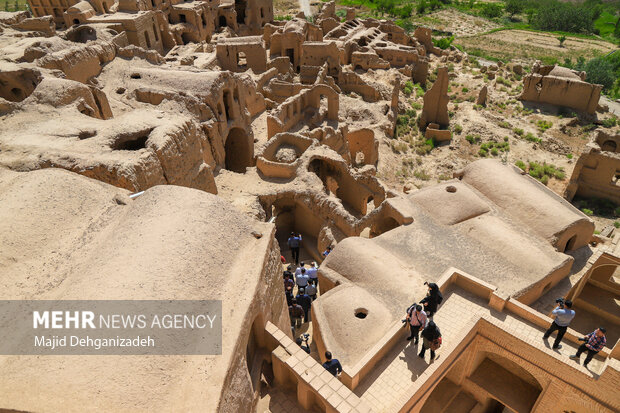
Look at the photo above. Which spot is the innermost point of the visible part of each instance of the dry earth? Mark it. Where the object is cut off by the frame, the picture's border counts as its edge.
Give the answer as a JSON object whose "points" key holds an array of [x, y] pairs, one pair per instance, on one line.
{"points": [[527, 46], [455, 22]]}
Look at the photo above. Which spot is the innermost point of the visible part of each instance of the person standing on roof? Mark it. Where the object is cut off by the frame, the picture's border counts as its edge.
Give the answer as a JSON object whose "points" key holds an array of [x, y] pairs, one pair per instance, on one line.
{"points": [[432, 300]]}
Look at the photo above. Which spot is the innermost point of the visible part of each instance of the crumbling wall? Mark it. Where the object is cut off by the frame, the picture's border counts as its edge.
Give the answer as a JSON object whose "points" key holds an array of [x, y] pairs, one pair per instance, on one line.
{"points": [[552, 85]]}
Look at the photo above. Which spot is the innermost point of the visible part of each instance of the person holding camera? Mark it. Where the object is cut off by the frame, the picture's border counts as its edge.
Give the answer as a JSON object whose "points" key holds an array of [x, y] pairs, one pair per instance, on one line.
{"points": [[432, 300], [416, 317], [563, 316], [303, 339], [594, 342]]}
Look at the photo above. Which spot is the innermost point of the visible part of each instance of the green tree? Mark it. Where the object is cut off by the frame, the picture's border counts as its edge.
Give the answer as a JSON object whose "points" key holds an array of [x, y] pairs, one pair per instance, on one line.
{"points": [[16, 5], [514, 7], [491, 10], [6, 5], [600, 71], [421, 7], [562, 39]]}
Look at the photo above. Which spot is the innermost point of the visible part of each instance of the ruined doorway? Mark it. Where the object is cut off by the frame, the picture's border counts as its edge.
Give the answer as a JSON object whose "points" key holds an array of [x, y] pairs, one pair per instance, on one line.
{"points": [[222, 22], [240, 6], [291, 55], [570, 244], [239, 150]]}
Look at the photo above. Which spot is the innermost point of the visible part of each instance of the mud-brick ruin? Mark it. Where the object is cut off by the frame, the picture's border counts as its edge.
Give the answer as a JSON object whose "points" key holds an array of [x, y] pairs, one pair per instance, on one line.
{"points": [[166, 150]]}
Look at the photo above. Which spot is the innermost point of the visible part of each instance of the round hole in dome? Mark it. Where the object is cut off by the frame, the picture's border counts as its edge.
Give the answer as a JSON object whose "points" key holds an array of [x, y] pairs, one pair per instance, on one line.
{"points": [[361, 313]]}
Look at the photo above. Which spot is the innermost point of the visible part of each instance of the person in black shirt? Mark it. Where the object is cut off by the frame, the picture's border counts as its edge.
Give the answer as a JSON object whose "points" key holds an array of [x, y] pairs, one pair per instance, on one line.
{"points": [[332, 365], [305, 301], [430, 336], [432, 300]]}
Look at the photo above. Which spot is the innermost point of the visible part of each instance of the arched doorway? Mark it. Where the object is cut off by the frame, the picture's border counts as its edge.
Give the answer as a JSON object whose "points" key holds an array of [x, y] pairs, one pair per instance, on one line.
{"points": [[239, 150]]}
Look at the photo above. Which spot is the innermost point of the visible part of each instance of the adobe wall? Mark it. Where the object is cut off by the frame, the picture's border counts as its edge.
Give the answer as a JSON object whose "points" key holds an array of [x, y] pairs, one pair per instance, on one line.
{"points": [[596, 172], [250, 46], [563, 92]]}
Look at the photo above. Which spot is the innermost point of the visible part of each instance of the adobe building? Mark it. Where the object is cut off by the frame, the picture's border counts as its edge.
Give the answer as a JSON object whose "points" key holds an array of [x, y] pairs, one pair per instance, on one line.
{"points": [[182, 142], [560, 86], [597, 170]]}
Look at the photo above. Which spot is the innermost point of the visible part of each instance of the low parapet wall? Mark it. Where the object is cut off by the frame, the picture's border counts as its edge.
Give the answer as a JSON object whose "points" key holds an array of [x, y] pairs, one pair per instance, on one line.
{"points": [[316, 387]]}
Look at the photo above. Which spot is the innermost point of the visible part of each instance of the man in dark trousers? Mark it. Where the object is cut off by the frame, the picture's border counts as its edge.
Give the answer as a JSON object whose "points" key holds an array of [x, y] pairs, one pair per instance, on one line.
{"points": [[431, 339], [417, 321], [332, 365], [305, 302], [563, 316], [295, 311], [594, 342], [294, 242]]}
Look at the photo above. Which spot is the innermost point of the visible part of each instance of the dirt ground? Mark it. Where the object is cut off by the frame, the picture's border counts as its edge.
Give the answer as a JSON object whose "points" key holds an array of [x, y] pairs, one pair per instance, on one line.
{"points": [[526, 46], [455, 22], [504, 122]]}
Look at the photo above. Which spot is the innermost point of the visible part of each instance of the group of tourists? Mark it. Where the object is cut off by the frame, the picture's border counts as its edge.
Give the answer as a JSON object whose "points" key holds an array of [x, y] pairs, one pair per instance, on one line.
{"points": [[563, 314], [419, 318], [307, 282]]}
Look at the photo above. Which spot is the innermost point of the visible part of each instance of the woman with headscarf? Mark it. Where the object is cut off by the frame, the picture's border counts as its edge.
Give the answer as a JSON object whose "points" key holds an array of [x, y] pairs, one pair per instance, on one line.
{"points": [[431, 339], [432, 300]]}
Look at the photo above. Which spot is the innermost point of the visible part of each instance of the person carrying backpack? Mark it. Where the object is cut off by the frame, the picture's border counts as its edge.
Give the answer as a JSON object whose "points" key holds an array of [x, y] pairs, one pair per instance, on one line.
{"points": [[432, 300], [416, 317], [431, 339]]}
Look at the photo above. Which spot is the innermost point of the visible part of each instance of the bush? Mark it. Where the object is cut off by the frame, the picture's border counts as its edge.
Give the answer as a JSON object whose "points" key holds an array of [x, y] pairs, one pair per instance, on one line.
{"points": [[504, 124], [610, 123], [514, 7], [491, 10], [458, 129], [408, 87], [554, 15], [482, 152], [520, 165], [444, 42], [421, 9], [531, 138], [587, 211], [617, 224], [518, 131], [600, 71], [543, 125]]}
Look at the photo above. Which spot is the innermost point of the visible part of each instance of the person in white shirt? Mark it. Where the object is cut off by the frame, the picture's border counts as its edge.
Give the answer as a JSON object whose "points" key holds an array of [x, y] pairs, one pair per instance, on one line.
{"points": [[417, 318], [298, 270], [313, 273], [302, 279]]}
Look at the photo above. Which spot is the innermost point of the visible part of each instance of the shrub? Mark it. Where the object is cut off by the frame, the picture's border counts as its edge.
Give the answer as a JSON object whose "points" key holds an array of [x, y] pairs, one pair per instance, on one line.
{"points": [[421, 9], [518, 131], [421, 174], [514, 7], [566, 17], [444, 43], [543, 125], [408, 87], [569, 155], [504, 124], [482, 152], [617, 224], [491, 10], [531, 138], [610, 123], [600, 71], [520, 165], [494, 152], [458, 129], [587, 211], [562, 39]]}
